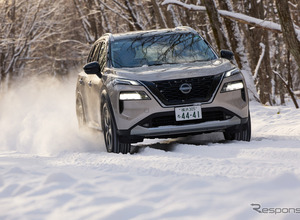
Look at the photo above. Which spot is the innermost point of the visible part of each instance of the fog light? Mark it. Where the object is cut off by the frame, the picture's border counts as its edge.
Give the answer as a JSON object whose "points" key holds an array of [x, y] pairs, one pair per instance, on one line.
{"points": [[231, 86]]}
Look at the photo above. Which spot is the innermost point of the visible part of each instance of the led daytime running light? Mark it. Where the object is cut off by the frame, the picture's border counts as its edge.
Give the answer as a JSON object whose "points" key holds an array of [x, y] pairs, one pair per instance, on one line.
{"points": [[140, 95], [232, 86], [232, 72]]}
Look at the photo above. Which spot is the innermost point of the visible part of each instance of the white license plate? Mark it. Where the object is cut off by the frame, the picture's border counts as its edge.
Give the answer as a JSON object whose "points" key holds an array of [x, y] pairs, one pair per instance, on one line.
{"points": [[188, 113]]}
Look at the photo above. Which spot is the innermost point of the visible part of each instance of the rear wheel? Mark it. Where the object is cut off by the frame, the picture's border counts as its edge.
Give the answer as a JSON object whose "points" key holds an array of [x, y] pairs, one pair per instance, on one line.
{"points": [[80, 113], [242, 134], [111, 137]]}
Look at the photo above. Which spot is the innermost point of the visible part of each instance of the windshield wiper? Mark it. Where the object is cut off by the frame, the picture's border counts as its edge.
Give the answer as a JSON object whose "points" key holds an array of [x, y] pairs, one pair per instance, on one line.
{"points": [[194, 61], [154, 63], [158, 63]]}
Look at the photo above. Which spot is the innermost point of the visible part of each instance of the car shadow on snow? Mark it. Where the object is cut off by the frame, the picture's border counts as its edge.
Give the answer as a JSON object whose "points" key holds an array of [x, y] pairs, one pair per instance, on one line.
{"points": [[165, 145], [170, 144]]}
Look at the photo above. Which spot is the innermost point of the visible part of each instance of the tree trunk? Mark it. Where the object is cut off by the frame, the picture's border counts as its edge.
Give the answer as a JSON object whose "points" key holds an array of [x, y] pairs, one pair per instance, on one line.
{"points": [[288, 66], [289, 34], [159, 15], [253, 39], [265, 73], [172, 20], [132, 15], [152, 22], [292, 94], [215, 23], [234, 36]]}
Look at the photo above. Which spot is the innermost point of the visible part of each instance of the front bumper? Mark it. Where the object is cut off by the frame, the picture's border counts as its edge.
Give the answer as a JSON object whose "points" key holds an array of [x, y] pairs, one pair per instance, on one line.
{"points": [[185, 129], [151, 118]]}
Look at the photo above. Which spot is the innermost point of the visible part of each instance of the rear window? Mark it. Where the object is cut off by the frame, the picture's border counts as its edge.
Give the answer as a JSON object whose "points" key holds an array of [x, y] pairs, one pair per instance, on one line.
{"points": [[159, 50]]}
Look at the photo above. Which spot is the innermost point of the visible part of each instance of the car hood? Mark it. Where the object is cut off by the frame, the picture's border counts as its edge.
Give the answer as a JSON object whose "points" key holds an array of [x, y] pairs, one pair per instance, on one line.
{"points": [[175, 71]]}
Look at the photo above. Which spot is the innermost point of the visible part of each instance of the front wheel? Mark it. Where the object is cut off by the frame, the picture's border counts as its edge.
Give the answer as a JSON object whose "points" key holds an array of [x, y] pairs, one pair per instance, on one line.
{"points": [[242, 134], [111, 137]]}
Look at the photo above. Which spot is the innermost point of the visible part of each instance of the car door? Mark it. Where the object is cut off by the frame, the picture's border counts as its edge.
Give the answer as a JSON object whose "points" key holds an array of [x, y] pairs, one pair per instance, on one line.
{"points": [[94, 84], [82, 86]]}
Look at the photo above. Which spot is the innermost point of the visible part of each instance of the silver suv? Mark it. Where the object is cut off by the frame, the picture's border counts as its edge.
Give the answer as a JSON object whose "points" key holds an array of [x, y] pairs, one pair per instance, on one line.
{"points": [[160, 83]]}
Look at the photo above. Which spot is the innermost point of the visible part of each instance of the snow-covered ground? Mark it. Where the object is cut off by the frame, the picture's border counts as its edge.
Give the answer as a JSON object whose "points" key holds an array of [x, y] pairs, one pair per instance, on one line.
{"points": [[48, 170]]}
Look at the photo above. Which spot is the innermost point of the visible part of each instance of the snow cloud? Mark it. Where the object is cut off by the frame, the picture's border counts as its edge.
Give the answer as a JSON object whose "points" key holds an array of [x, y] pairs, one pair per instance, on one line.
{"points": [[38, 116]]}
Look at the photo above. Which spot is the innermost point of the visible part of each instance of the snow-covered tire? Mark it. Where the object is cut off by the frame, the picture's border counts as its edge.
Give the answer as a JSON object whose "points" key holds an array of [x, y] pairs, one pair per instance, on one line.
{"points": [[244, 134], [80, 113], [109, 128]]}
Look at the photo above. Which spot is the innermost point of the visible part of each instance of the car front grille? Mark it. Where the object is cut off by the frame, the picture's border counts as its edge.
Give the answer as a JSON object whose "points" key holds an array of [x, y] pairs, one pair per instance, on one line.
{"points": [[168, 91]]}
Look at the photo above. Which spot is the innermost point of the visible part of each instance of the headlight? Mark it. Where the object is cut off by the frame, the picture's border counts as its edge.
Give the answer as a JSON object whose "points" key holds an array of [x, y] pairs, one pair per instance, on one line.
{"points": [[125, 82], [136, 95], [231, 86], [232, 72]]}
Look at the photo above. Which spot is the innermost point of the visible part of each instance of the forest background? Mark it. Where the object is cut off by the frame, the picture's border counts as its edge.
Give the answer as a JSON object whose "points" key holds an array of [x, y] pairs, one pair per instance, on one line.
{"points": [[53, 37]]}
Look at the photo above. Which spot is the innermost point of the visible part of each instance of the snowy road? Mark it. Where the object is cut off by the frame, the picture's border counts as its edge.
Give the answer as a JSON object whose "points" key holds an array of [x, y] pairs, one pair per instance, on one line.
{"points": [[50, 171]]}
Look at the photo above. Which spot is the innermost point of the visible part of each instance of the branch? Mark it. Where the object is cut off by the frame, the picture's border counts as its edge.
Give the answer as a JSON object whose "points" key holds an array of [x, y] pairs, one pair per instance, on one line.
{"points": [[239, 17], [85, 23], [291, 92], [119, 14], [294, 5], [119, 5], [259, 60]]}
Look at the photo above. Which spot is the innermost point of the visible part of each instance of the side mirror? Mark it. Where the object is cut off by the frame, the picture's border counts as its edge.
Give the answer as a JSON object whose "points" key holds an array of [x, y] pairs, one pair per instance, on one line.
{"points": [[227, 54], [92, 68]]}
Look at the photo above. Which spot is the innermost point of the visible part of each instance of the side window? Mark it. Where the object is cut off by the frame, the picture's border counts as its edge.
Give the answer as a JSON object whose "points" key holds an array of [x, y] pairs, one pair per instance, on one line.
{"points": [[102, 56], [89, 59], [98, 53]]}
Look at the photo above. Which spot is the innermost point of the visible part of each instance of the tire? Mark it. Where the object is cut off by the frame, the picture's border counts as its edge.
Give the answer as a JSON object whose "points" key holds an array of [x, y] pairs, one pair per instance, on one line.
{"points": [[243, 134], [109, 128], [80, 113]]}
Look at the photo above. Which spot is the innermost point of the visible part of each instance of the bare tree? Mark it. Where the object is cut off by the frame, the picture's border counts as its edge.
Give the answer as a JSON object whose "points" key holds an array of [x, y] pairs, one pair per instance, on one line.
{"points": [[215, 24], [17, 37], [234, 36], [289, 33], [162, 23], [50, 37], [256, 38]]}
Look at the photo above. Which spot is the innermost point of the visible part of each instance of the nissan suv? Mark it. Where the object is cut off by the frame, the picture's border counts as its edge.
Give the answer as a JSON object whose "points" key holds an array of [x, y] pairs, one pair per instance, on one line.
{"points": [[160, 84]]}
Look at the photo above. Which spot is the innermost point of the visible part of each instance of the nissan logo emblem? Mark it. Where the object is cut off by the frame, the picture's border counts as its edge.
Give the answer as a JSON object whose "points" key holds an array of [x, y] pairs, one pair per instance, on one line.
{"points": [[185, 88]]}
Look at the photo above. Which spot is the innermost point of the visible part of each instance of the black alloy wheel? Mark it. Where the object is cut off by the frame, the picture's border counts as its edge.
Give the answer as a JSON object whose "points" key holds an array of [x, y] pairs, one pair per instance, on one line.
{"points": [[244, 134], [111, 137]]}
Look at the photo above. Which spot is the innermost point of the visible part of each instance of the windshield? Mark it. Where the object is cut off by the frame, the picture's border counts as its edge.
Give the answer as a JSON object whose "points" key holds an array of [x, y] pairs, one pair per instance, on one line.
{"points": [[160, 49]]}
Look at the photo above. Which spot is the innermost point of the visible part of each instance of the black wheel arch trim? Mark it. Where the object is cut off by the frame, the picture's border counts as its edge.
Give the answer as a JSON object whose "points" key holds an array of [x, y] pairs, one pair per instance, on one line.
{"points": [[104, 95]]}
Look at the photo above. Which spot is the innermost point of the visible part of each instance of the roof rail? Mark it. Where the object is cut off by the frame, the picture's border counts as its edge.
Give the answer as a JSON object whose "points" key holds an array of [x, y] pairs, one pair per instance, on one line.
{"points": [[110, 36], [186, 28]]}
